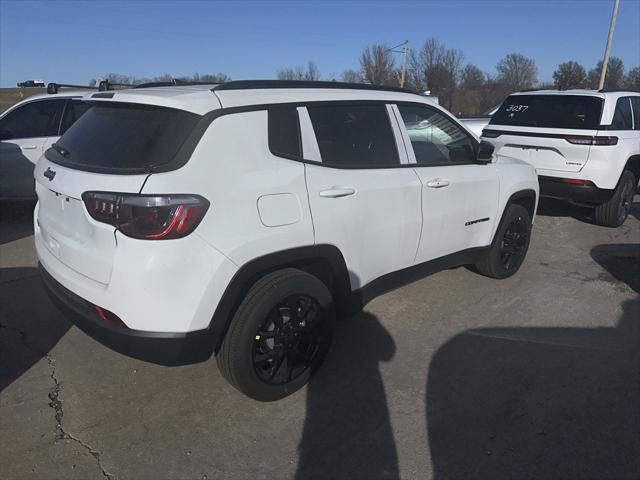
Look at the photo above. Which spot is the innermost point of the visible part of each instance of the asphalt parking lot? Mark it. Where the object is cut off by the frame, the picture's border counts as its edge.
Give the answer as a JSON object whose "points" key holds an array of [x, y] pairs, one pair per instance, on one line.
{"points": [[452, 376]]}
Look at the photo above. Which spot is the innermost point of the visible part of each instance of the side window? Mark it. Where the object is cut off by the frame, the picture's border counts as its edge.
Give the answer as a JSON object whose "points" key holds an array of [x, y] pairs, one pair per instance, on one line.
{"points": [[39, 118], [284, 132], [72, 112], [635, 104], [435, 139], [622, 115], [354, 135]]}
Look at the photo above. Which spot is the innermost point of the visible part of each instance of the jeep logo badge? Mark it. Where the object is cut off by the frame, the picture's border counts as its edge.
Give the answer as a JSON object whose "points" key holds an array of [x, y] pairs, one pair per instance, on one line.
{"points": [[50, 174]]}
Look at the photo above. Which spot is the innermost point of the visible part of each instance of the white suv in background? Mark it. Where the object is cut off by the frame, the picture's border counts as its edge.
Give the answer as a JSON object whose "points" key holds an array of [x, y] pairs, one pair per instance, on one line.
{"points": [[241, 218], [29, 128], [584, 144]]}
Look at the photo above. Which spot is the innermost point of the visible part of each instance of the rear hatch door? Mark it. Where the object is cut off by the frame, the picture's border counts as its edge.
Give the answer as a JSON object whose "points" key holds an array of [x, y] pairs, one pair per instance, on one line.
{"points": [[550, 132], [111, 148]]}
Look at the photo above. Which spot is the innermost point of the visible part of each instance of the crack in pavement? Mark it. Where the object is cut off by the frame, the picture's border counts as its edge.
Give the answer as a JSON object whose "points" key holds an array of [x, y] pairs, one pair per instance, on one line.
{"points": [[56, 403]]}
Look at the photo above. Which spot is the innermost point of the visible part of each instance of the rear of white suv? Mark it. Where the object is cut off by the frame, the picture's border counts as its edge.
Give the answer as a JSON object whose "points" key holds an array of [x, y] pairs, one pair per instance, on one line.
{"points": [[584, 145], [174, 222]]}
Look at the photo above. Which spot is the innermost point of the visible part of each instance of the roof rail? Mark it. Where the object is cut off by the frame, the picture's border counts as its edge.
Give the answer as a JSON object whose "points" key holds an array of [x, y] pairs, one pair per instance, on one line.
{"points": [[53, 88], [176, 82], [105, 85], [266, 84]]}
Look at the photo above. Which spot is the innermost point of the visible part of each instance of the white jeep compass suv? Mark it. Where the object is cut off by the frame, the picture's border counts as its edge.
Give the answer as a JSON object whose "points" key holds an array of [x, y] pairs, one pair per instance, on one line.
{"points": [[584, 144], [240, 219]]}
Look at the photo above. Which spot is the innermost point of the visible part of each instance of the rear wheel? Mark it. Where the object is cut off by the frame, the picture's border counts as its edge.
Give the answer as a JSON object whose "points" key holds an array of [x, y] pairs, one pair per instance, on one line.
{"points": [[510, 244], [279, 335], [614, 212]]}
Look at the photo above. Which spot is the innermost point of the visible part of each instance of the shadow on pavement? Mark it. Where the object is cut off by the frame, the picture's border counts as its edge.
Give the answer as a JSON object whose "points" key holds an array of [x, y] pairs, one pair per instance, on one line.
{"points": [[541, 402], [30, 325], [549, 207], [347, 431], [16, 220]]}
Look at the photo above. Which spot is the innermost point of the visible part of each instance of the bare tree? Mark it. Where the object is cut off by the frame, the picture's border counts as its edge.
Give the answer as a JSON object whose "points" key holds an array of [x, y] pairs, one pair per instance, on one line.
{"points": [[632, 80], [469, 100], [351, 76], [436, 68], [570, 75], [615, 74], [376, 63], [299, 73], [517, 72]]}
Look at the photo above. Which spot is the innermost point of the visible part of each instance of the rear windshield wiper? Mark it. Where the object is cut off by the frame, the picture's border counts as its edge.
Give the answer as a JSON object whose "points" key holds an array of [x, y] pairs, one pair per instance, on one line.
{"points": [[62, 151]]}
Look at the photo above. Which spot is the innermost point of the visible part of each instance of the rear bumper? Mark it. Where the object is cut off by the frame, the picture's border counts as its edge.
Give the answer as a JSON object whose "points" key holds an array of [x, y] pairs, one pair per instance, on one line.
{"points": [[157, 347], [552, 187]]}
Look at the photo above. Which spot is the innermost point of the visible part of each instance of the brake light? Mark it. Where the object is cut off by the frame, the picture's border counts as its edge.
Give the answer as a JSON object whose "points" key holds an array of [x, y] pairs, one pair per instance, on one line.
{"points": [[109, 317], [149, 217], [589, 140], [576, 181]]}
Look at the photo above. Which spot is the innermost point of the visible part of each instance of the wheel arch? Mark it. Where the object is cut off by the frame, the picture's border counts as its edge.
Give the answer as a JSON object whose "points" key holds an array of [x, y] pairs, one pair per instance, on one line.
{"points": [[323, 261], [633, 165], [526, 198]]}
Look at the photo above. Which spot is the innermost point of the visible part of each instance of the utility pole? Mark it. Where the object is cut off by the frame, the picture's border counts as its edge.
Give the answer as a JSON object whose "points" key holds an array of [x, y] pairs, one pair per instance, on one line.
{"points": [[607, 50], [404, 51]]}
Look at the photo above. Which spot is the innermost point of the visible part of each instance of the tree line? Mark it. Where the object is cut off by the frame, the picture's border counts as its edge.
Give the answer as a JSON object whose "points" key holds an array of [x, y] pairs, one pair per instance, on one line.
{"points": [[462, 87]]}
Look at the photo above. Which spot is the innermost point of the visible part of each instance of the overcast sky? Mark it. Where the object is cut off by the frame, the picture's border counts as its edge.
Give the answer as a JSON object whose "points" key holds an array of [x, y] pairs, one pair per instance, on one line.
{"points": [[77, 41]]}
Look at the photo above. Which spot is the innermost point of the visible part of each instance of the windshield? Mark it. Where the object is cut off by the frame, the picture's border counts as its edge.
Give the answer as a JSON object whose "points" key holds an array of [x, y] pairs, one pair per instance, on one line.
{"points": [[123, 137], [550, 111]]}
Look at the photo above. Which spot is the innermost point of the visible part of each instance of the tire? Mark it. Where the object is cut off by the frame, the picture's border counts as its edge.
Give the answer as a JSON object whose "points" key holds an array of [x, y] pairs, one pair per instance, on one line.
{"points": [[614, 212], [510, 244], [279, 335]]}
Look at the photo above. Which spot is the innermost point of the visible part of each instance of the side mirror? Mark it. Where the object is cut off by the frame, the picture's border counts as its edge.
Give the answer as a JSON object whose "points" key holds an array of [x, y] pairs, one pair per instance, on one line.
{"points": [[485, 152], [5, 135]]}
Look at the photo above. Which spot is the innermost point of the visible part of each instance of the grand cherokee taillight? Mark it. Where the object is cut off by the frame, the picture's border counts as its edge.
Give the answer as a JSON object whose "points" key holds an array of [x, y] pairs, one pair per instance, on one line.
{"points": [[150, 217]]}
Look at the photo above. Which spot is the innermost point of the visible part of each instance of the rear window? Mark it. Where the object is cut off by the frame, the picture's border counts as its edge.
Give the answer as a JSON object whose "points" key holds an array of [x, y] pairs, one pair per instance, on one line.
{"points": [[123, 138], [550, 111]]}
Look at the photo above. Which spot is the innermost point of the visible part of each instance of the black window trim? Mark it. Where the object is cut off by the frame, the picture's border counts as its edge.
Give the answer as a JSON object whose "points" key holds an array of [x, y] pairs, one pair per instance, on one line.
{"points": [[300, 146], [192, 141], [265, 107]]}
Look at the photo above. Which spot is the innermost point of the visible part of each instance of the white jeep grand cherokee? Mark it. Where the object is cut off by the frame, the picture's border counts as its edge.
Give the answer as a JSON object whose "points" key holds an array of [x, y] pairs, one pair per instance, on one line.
{"points": [[584, 144], [241, 218]]}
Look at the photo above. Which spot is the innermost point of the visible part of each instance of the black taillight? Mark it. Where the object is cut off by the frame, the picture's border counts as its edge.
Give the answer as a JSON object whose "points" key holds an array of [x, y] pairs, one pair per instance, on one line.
{"points": [[150, 217], [589, 140], [488, 133]]}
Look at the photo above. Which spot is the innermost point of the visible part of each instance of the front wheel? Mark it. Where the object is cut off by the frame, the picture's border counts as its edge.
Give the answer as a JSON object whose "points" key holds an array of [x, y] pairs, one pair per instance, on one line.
{"points": [[614, 212], [279, 335], [510, 244]]}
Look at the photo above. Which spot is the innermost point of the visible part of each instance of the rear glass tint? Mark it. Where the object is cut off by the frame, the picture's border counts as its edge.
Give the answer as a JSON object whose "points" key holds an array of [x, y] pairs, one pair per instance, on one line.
{"points": [[123, 137], [550, 111]]}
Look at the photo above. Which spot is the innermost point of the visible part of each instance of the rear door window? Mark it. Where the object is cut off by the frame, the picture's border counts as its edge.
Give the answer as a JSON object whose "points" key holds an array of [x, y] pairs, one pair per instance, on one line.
{"points": [[123, 137], [72, 112], [352, 135], [580, 112], [39, 118], [622, 115]]}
